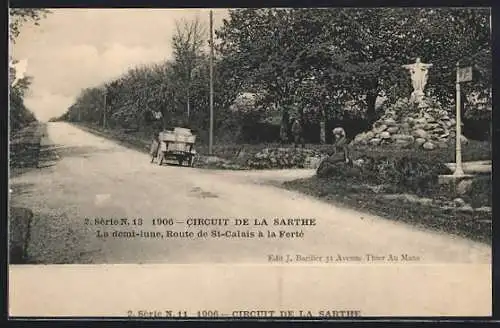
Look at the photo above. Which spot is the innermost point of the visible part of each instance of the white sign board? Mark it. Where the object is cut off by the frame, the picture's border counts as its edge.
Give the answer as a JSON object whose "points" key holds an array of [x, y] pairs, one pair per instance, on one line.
{"points": [[465, 74]]}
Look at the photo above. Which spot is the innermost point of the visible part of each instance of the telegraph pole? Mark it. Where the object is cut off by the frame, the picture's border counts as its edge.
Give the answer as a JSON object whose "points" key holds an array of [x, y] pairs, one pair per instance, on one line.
{"points": [[458, 130], [211, 134], [104, 112]]}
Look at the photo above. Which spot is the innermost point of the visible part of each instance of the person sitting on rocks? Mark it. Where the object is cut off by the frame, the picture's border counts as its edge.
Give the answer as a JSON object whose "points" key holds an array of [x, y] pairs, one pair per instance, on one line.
{"points": [[340, 143], [339, 162], [297, 133]]}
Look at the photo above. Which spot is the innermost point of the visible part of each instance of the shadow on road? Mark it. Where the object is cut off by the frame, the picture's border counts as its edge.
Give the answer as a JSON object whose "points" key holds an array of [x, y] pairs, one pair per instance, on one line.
{"points": [[50, 152]]}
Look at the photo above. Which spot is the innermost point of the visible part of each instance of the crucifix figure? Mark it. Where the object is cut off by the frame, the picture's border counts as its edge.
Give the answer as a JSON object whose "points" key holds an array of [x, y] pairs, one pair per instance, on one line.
{"points": [[418, 72]]}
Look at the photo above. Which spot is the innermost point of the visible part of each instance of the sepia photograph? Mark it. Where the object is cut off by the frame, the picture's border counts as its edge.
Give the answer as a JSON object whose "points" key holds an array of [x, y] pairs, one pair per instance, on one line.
{"points": [[250, 163]]}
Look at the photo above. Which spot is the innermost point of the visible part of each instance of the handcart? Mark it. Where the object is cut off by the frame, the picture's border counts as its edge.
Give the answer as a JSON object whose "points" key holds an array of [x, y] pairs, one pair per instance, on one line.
{"points": [[177, 144]]}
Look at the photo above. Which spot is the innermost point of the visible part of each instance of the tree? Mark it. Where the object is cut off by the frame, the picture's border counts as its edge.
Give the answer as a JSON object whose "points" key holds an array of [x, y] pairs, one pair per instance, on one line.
{"points": [[258, 47], [19, 114], [350, 54], [19, 16], [133, 98], [188, 45], [22, 85]]}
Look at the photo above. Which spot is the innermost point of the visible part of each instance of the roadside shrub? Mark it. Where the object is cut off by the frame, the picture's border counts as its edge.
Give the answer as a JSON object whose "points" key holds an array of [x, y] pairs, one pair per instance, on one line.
{"points": [[405, 173], [472, 151], [419, 175], [335, 166]]}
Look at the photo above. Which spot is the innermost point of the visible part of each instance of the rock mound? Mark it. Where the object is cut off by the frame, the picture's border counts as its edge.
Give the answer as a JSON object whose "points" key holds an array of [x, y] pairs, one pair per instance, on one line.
{"points": [[284, 158], [405, 125], [268, 158]]}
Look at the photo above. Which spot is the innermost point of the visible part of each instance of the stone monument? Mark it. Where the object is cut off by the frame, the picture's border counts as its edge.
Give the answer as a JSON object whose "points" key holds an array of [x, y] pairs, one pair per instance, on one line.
{"points": [[419, 75], [401, 126]]}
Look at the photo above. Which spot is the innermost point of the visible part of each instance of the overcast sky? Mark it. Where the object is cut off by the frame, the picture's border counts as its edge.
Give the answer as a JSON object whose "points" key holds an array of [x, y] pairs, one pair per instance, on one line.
{"points": [[78, 48]]}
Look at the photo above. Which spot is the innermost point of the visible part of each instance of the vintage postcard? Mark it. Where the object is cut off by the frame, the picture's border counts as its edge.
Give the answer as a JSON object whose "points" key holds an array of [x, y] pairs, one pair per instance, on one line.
{"points": [[250, 163]]}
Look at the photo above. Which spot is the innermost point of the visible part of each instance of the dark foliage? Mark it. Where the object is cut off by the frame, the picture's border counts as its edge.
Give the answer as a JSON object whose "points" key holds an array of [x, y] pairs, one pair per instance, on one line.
{"points": [[480, 193], [407, 173]]}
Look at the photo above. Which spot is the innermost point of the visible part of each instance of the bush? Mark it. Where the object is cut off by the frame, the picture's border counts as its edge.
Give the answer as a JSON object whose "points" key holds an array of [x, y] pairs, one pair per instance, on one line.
{"points": [[405, 173], [335, 166], [418, 175], [19, 116], [472, 151]]}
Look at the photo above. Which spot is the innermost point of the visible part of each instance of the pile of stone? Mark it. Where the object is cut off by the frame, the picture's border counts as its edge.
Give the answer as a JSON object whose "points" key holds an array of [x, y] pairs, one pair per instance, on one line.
{"points": [[428, 127], [285, 158], [268, 158], [214, 162]]}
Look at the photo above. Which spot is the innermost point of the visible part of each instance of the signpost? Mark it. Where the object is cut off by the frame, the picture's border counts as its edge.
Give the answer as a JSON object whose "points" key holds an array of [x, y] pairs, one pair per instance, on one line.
{"points": [[463, 75]]}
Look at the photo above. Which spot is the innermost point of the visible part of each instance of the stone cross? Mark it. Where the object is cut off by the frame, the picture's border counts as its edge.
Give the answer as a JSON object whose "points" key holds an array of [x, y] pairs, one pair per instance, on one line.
{"points": [[418, 72]]}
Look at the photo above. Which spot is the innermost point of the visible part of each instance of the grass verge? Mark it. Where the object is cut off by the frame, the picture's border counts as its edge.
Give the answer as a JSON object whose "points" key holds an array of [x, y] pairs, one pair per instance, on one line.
{"points": [[472, 225]]}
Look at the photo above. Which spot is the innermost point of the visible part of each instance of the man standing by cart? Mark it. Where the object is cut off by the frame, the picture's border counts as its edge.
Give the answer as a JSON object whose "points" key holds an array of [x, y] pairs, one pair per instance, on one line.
{"points": [[157, 124]]}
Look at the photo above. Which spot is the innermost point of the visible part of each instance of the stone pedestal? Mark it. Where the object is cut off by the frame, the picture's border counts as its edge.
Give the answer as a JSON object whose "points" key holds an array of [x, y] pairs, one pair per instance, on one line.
{"points": [[458, 184], [418, 98]]}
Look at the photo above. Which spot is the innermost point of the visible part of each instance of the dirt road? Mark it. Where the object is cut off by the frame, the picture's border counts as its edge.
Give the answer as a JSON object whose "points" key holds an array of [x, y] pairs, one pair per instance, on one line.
{"points": [[95, 178], [92, 178]]}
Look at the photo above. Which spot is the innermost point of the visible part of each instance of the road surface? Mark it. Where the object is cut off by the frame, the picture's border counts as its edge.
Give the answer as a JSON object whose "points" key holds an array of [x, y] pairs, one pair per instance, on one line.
{"points": [[96, 178]]}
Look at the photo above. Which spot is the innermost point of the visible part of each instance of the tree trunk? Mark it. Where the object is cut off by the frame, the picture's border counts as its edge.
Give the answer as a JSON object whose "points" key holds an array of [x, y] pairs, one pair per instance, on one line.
{"points": [[284, 125], [322, 127], [188, 105], [104, 112], [371, 98]]}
